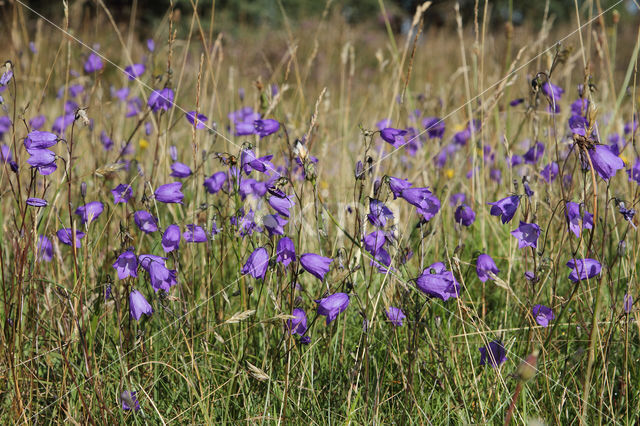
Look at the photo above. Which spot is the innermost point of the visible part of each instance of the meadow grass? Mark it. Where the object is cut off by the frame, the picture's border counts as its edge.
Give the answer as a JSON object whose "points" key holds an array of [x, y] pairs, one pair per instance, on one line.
{"points": [[217, 347]]}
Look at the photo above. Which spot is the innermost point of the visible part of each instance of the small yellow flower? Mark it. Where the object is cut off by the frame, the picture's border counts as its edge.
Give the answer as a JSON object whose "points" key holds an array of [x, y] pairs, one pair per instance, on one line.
{"points": [[449, 173], [144, 144], [459, 127], [324, 184]]}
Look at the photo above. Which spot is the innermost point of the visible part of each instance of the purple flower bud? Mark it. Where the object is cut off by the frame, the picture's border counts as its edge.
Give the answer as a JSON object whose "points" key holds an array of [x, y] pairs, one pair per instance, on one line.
{"points": [[126, 265], [36, 202], [627, 303], [484, 265], [332, 305], [315, 264], [257, 263], [171, 238], [180, 170], [138, 305], [151, 45]]}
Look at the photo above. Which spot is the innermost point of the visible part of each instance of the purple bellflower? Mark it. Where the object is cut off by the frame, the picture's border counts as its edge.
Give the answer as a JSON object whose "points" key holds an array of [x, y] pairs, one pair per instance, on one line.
{"points": [[527, 234], [395, 316], [495, 354], [543, 315], [315, 264], [436, 281], [583, 269], [257, 263], [332, 305], [484, 265], [138, 305]]}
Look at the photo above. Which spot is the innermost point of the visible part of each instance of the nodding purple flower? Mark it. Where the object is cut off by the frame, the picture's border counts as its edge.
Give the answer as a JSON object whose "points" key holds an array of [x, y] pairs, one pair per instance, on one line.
{"points": [[576, 219], [214, 229], [543, 315], [552, 91], [135, 70], [397, 185], [5, 153], [42, 159], [121, 193], [427, 204], [126, 265], [90, 211], [36, 202], [274, 224], [457, 198], [245, 223], [495, 354], [195, 234], [434, 126], [495, 174], [484, 265], [627, 303], [45, 249], [436, 281], [527, 234], [37, 122], [281, 203], [38, 140], [180, 170], [316, 265], [332, 305], [634, 172], [191, 118], [129, 400], [298, 325], [534, 154], [605, 162], [395, 316], [145, 221], [214, 183], [121, 94], [465, 215], [61, 123], [550, 172], [374, 241], [170, 193], [516, 102], [266, 127], [161, 99], [505, 208], [5, 124], [161, 277], [379, 213], [285, 251], [107, 143], [65, 236], [134, 106], [171, 238], [249, 161], [579, 106], [393, 136], [138, 305], [583, 269], [257, 263], [93, 64]]}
